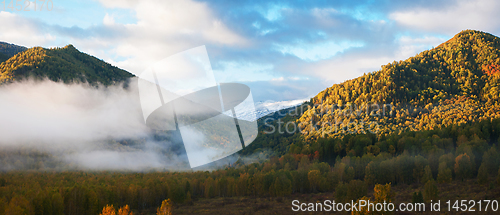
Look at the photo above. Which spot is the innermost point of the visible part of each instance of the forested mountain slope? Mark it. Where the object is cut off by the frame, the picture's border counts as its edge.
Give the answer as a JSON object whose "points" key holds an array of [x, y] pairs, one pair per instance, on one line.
{"points": [[454, 83], [60, 64], [8, 50], [11, 49]]}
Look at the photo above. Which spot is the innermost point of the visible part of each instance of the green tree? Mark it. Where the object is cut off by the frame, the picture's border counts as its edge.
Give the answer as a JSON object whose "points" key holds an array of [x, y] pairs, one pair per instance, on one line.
{"points": [[341, 192], [314, 177], [482, 174], [430, 191], [427, 175], [417, 197], [444, 173]]}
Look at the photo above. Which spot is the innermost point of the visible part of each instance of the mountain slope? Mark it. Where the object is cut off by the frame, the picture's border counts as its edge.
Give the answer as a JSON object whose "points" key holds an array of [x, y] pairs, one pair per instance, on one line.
{"points": [[60, 64], [3, 57], [11, 49], [454, 83], [8, 50]]}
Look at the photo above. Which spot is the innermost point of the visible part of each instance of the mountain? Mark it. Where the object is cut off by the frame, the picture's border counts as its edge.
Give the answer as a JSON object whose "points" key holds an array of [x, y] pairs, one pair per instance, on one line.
{"points": [[3, 57], [8, 50], [60, 64], [11, 49], [454, 84], [264, 108]]}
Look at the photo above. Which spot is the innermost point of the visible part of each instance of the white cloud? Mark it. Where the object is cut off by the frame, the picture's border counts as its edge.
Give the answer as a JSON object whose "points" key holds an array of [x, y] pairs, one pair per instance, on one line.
{"points": [[19, 30], [478, 15], [165, 28], [108, 20]]}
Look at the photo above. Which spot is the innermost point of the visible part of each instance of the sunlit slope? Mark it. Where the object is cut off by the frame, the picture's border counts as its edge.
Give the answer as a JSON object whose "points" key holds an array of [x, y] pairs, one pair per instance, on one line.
{"points": [[454, 83]]}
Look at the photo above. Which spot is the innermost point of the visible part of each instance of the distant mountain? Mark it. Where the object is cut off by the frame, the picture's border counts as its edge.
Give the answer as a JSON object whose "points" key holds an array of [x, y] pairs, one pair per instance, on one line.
{"points": [[11, 49], [8, 50], [60, 64], [266, 108]]}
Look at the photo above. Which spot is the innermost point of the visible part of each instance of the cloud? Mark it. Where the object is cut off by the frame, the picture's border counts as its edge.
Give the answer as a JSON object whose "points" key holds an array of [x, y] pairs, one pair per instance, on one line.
{"points": [[164, 28], [55, 113], [19, 30], [108, 20], [80, 126], [452, 18]]}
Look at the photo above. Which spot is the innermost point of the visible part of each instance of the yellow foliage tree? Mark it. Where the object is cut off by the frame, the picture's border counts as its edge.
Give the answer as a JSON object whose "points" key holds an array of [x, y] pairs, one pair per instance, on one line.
{"points": [[165, 209], [108, 210], [125, 210]]}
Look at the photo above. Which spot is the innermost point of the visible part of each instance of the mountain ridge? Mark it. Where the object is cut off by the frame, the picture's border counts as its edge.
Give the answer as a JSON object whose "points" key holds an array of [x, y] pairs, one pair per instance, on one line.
{"points": [[456, 76], [65, 64], [11, 49], [452, 85]]}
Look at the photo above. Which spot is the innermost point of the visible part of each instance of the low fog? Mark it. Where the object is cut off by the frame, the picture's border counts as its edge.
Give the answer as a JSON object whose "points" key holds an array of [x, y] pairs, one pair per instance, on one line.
{"points": [[51, 125]]}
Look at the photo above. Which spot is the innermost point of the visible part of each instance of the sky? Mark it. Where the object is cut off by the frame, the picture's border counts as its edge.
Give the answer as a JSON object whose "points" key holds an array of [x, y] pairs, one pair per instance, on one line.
{"points": [[283, 50]]}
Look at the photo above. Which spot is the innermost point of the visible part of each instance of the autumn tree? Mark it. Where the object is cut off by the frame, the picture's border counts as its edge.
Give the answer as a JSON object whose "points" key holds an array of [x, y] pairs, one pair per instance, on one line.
{"points": [[125, 210], [165, 209], [108, 210], [463, 166]]}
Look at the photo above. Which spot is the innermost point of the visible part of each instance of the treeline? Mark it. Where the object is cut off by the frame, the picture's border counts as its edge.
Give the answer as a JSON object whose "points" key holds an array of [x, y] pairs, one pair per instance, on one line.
{"points": [[349, 166]]}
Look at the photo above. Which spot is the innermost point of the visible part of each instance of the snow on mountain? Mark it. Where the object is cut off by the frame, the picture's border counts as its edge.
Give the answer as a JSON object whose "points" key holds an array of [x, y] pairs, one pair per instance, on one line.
{"points": [[267, 107]]}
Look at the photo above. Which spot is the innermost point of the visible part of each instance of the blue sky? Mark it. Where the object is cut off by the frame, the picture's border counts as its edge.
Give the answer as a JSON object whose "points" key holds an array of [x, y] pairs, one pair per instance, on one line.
{"points": [[283, 50]]}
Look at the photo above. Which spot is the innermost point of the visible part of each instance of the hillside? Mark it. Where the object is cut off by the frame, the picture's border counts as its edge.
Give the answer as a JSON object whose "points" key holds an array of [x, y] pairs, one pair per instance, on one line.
{"points": [[8, 50], [454, 83], [60, 64], [3, 57], [11, 49]]}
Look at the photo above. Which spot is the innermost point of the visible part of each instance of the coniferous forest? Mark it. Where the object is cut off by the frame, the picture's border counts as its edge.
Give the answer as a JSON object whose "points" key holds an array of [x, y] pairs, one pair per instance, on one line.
{"points": [[419, 130]]}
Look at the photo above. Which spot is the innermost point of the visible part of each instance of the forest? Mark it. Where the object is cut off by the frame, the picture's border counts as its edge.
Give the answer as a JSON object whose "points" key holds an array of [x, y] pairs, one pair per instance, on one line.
{"points": [[348, 167], [443, 129]]}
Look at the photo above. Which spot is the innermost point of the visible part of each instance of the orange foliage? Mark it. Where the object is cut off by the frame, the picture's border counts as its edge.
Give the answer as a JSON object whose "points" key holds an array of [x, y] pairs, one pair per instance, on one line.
{"points": [[108, 210], [492, 69]]}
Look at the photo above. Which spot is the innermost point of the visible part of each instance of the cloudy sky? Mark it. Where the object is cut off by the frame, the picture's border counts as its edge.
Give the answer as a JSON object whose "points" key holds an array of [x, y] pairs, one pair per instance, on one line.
{"points": [[283, 50]]}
